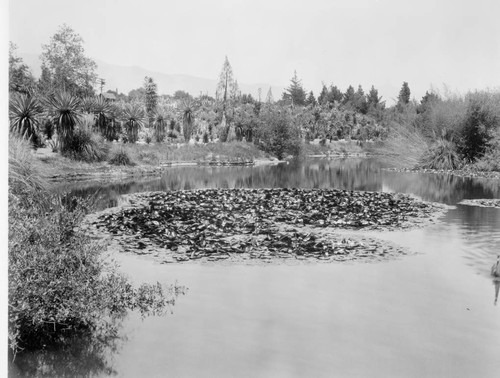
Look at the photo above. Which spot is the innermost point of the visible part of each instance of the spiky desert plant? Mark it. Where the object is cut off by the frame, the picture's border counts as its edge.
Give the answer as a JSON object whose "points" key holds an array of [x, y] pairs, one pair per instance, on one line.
{"points": [[187, 119], [24, 112], [441, 155], [114, 125], [87, 104], [160, 125], [65, 110], [134, 117], [102, 110]]}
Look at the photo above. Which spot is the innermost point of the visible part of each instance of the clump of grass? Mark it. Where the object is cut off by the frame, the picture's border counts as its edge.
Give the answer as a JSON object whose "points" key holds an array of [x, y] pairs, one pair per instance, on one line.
{"points": [[24, 174], [86, 146], [404, 146], [442, 155], [120, 157]]}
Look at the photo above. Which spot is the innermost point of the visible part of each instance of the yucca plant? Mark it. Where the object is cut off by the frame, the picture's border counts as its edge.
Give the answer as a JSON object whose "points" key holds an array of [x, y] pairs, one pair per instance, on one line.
{"points": [[114, 125], [65, 110], [160, 125], [187, 119], [87, 104], [134, 117], [24, 112], [102, 111], [442, 155]]}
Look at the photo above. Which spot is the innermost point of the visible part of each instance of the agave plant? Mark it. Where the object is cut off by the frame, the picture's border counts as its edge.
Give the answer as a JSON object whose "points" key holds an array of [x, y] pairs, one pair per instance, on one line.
{"points": [[160, 124], [65, 109], [134, 117], [24, 112]]}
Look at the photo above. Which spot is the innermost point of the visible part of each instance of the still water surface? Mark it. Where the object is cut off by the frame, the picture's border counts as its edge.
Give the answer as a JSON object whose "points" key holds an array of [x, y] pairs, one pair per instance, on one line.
{"points": [[429, 314]]}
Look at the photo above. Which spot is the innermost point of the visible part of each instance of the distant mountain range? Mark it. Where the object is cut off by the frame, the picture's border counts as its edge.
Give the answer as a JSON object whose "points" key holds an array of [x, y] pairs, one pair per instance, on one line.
{"points": [[124, 79]]}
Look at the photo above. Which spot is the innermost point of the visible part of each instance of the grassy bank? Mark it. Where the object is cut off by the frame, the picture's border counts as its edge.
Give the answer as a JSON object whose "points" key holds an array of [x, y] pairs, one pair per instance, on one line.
{"points": [[143, 158]]}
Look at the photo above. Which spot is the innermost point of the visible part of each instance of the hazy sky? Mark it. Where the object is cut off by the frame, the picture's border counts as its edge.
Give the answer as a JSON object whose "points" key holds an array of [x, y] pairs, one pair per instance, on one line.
{"points": [[380, 42]]}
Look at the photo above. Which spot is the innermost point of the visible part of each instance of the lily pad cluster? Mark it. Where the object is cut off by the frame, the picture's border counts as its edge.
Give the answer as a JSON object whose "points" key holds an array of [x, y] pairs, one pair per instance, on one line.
{"points": [[481, 202], [259, 223]]}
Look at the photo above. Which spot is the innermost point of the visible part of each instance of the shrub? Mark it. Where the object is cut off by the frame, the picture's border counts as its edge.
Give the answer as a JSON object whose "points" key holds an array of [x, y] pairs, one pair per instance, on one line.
{"points": [[60, 285], [481, 120], [120, 157], [86, 146], [65, 109], [24, 112], [278, 134], [442, 155], [490, 161]]}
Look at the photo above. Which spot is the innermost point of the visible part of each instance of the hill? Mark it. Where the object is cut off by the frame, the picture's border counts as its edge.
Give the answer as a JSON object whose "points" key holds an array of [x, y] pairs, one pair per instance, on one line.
{"points": [[126, 78]]}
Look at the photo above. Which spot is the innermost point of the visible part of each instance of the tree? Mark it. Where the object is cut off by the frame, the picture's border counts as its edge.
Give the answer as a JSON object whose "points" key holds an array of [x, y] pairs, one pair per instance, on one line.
{"points": [[349, 97], [64, 58], [311, 100], [64, 107], [134, 118], [373, 99], [404, 94], [360, 101], [322, 98], [295, 92], [20, 78], [335, 94], [182, 95], [150, 98], [187, 120], [137, 95], [226, 88], [269, 97], [24, 112]]}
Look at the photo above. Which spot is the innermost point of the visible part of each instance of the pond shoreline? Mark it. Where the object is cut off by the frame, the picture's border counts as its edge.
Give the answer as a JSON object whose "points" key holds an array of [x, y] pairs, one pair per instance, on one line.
{"points": [[459, 172]]}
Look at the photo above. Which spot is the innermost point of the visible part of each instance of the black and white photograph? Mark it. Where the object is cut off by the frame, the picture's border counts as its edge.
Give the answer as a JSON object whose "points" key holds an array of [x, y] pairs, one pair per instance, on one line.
{"points": [[236, 188]]}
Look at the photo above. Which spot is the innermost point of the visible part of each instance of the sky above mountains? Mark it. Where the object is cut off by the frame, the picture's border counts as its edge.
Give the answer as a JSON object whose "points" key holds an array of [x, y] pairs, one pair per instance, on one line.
{"points": [[427, 43]]}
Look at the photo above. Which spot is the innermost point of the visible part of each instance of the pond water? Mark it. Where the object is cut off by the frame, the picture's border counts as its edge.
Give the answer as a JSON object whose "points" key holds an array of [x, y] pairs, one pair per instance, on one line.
{"points": [[429, 314]]}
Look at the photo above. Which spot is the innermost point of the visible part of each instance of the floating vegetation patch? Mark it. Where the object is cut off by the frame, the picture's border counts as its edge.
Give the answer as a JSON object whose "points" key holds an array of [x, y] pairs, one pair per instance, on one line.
{"points": [[481, 202], [220, 224]]}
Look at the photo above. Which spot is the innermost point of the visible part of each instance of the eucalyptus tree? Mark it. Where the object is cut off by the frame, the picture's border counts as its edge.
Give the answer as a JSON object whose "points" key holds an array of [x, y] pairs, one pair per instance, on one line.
{"points": [[64, 61]]}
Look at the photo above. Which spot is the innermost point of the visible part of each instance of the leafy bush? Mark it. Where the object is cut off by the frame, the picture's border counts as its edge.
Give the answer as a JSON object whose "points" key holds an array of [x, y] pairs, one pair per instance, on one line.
{"points": [[120, 157], [490, 161], [481, 120], [278, 134], [60, 284], [442, 155]]}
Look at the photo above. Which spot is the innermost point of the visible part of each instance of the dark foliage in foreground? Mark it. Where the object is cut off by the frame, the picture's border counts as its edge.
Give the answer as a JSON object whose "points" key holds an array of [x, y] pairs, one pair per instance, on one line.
{"points": [[60, 284]]}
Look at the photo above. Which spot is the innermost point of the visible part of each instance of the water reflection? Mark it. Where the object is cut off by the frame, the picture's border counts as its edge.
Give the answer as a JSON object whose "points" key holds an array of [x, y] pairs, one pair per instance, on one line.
{"points": [[84, 355], [496, 282], [349, 174]]}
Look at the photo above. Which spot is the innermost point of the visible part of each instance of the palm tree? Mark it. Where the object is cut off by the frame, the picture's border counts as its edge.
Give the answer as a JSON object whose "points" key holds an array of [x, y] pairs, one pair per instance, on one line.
{"points": [[65, 109], [24, 112], [134, 118]]}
